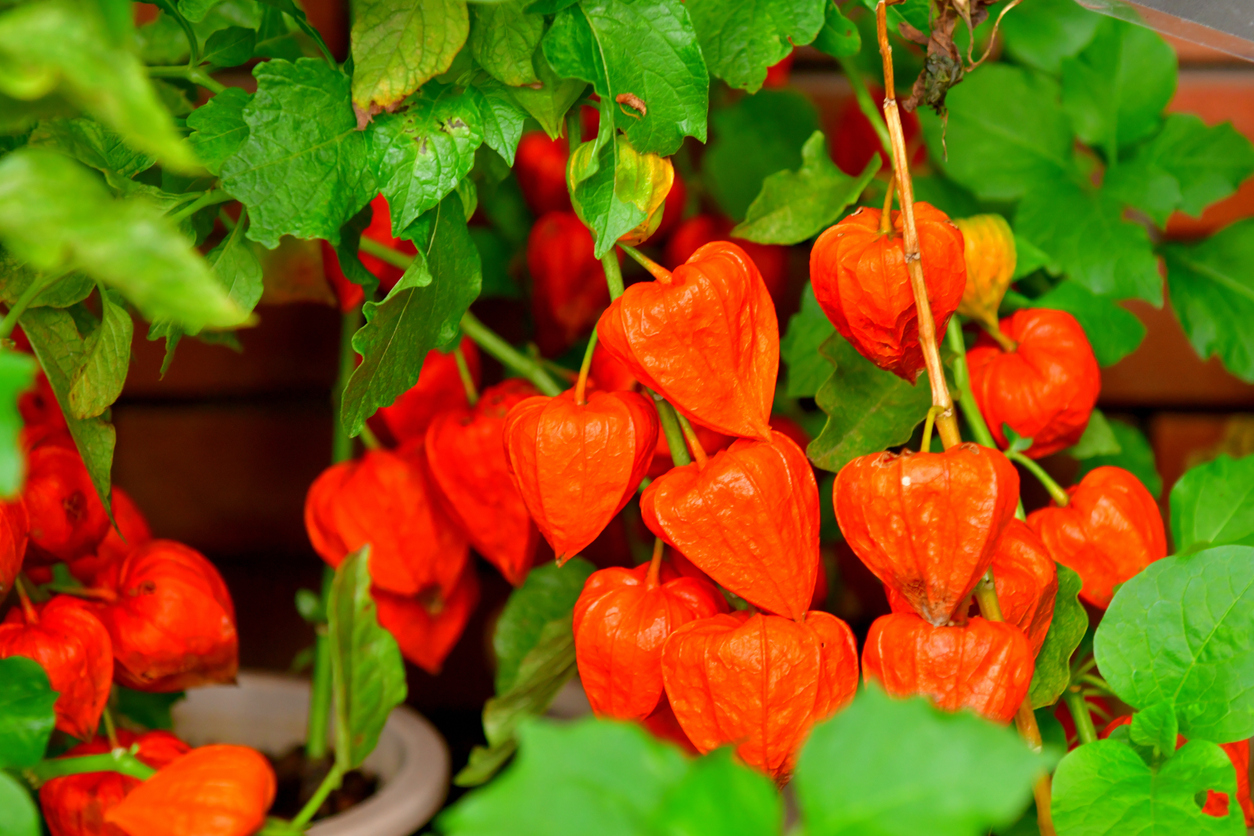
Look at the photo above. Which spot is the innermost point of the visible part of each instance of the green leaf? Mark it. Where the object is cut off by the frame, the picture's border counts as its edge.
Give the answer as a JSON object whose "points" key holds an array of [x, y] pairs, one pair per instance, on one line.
{"points": [[548, 105], [1083, 231], [1211, 284], [618, 194], [195, 10], [1213, 504], [219, 128], [59, 349], [17, 373], [303, 168], [1098, 439], [15, 278], [645, 48], [1042, 33], [59, 217], [19, 815], [1135, 456], [502, 118], [1105, 789], [503, 37], [152, 711], [26, 701], [423, 153], [53, 47], [421, 312], [229, 47], [794, 206], [868, 409], [1116, 89], [1156, 729], [721, 796], [887, 767], [1113, 331], [367, 672], [839, 37], [1053, 662], [1182, 631], [756, 137], [399, 45], [573, 779], [106, 357], [952, 199], [92, 144], [548, 594], [289, 8], [808, 329], [1006, 133], [740, 40]]}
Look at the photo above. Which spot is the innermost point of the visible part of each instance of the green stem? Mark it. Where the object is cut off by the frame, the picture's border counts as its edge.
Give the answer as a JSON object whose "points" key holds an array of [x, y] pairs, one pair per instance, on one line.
{"points": [[613, 274], [32, 291], [342, 442], [962, 377], [385, 253], [1079, 709], [491, 342], [209, 198], [865, 103], [368, 439], [1056, 491], [198, 76], [468, 380], [329, 784], [674, 433], [581, 382], [121, 761]]}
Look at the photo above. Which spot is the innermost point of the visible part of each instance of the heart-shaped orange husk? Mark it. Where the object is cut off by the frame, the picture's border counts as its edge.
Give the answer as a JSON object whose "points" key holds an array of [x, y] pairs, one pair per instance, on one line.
{"points": [[759, 682], [705, 337], [622, 619], [1110, 531], [861, 282], [467, 461], [1027, 584], [576, 465], [748, 518], [73, 648], [14, 527], [386, 499], [67, 518], [926, 524], [985, 666], [427, 631]]}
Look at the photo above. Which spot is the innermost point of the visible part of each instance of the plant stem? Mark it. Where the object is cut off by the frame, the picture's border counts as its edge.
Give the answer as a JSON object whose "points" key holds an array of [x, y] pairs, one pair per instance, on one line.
{"points": [[946, 423], [613, 274], [865, 103], [121, 761], [492, 343], [341, 441], [209, 198], [329, 784], [925, 445], [468, 380], [30, 294], [656, 270], [1078, 706], [385, 253], [111, 731], [655, 565], [198, 76], [694, 443], [582, 382], [670, 428], [1056, 491], [962, 377], [28, 609], [994, 330], [368, 439]]}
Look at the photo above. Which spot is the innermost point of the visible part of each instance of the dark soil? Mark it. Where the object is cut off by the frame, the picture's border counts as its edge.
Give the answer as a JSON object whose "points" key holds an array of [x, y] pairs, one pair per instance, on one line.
{"points": [[299, 779]]}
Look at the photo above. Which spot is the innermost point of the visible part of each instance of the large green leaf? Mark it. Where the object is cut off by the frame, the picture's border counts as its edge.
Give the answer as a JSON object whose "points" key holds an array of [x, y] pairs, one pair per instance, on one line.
{"points": [[590, 776], [645, 49], [1106, 789], [1213, 504], [887, 767], [1113, 331], [839, 37], [548, 594], [219, 128], [92, 144], [367, 672], [1084, 233], [1116, 89], [1182, 632], [796, 205], [868, 409], [1006, 133], [56, 47], [398, 45], [26, 701], [1135, 456], [808, 329], [106, 358], [17, 372], [420, 312], [1211, 284], [756, 137], [740, 40], [57, 215], [303, 169], [19, 815], [503, 37], [229, 47], [59, 349], [502, 117], [1042, 33], [722, 796], [422, 153], [1053, 662]]}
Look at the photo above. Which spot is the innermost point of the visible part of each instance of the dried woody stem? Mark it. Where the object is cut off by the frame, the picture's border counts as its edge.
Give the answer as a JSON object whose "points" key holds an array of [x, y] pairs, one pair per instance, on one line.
{"points": [[946, 421]]}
